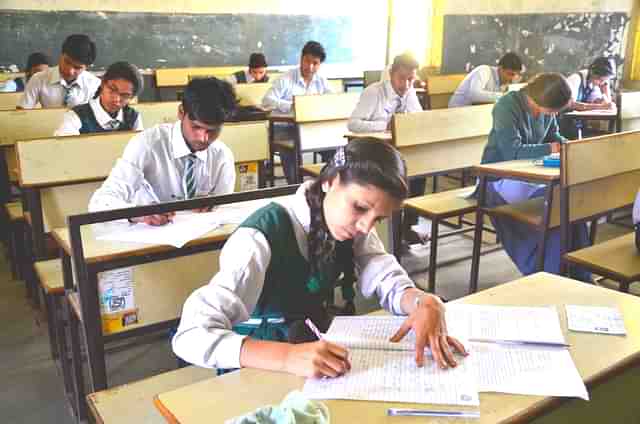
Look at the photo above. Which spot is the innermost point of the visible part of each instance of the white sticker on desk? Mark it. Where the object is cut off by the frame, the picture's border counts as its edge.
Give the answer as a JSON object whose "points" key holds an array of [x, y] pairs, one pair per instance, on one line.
{"points": [[115, 289], [595, 319]]}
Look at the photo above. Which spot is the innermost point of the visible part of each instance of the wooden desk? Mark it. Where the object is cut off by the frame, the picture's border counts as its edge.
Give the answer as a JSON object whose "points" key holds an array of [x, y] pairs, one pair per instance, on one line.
{"points": [[132, 403], [520, 170], [91, 256], [610, 366], [380, 136], [611, 116]]}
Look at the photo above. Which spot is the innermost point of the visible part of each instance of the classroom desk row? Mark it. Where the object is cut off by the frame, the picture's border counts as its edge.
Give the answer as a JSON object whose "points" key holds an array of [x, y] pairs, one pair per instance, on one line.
{"points": [[609, 365]]}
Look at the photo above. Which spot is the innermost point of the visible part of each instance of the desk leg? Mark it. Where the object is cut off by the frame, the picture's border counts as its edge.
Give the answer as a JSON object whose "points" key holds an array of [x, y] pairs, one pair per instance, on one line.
{"points": [[477, 237], [546, 217], [272, 163], [71, 369], [297, 154], [92, 325], [565, 243], [433, 255]]}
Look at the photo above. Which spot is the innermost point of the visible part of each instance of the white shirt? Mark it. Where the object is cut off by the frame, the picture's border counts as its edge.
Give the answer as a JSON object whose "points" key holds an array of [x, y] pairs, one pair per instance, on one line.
{"points": [[377, 104], [596, 94], [204, 336], [482, 85], [9, 86], [154, 160], [71, 123], [280, 95], [48, 89]]}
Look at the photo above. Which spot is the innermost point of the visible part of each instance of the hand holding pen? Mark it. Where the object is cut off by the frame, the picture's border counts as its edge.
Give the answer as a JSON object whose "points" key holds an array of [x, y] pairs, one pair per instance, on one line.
{"points": [[156, 219], [317, 359]]}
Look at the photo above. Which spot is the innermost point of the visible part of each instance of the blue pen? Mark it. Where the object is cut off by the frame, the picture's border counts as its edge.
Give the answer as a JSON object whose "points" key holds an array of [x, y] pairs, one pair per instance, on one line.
{"points": [[399, 412]]}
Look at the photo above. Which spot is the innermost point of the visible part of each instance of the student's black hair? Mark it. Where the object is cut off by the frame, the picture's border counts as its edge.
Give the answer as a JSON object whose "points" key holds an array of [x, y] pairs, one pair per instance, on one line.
{"points": [[208, 100], [36, 59], [257, 60], [80, 48], [314, 49], [123, 71], [511, 61], [404, 61], [364, 162], [601, 67], [550, 90]]}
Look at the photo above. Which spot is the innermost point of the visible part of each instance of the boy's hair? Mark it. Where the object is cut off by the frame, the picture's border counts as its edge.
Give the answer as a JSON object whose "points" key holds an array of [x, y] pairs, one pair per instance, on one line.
{"points": [[208, 100], [550, 90], [315, 49], [404, 61], [511, 61], [36, 59], [125, 71], [257, 60], [80, 48], [602, 67]]}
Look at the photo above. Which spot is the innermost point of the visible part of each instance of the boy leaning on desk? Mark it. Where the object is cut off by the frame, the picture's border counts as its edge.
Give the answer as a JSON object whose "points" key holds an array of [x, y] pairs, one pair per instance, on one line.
{"points": [[175, 161]]}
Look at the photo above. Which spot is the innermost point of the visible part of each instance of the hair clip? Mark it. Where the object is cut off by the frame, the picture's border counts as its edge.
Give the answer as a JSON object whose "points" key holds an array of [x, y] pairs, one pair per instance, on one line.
{"points": [[340, 158]]}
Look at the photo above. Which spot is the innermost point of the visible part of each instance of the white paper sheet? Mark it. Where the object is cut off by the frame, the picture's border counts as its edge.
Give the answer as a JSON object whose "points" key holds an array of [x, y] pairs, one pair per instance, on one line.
{"points": [[527, 370], [392, 376], [184, 228], [505, 323], [595, 319]]}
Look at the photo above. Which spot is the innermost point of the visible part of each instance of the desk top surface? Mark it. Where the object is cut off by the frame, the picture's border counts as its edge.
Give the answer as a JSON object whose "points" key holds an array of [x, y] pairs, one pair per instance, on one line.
{"points": [[524, 169], [593, 114], [597, 357], [381, 135], [96, 251]]}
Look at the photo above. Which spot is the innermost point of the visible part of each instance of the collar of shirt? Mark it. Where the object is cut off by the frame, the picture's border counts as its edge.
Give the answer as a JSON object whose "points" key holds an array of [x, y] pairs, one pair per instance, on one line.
{"points": [[297, 77], [179, 144], [300, 206], [56, 78], [391, 94], [101, 115]]}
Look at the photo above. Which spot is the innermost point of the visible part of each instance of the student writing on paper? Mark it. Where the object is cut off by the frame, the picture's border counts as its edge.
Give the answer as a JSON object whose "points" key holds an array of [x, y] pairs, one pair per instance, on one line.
{"points": [[485, 84], [300, 80], [377, 105], [109, 109], [525, 127], [280, 266], [175, 161], [68, 84], [36, 62], [257, 71]]}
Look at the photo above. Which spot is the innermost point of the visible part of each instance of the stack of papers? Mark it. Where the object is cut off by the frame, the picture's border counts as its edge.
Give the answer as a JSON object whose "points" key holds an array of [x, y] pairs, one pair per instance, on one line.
{"points": [[518, 350]]}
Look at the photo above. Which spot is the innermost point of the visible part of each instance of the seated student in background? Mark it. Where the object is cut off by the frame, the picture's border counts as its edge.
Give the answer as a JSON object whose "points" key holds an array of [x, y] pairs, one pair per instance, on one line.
{"points": [[283, 261], [298, 81], [67, 84], [109, 110], [525, 127], [379, 102], [36, 62], [485, 84], [257, 71], [176, 161], [590, 88]]}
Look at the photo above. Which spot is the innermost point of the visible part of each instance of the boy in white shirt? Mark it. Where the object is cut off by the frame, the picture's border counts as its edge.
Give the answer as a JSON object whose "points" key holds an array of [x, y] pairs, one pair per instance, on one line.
{"points": [[485, 84], [67, 84]]}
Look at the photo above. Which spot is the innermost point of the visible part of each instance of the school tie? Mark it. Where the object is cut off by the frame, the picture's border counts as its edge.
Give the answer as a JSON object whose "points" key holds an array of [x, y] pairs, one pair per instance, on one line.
{"points": [[398, 108], [67, 94], [190, 177], [114, 124]]}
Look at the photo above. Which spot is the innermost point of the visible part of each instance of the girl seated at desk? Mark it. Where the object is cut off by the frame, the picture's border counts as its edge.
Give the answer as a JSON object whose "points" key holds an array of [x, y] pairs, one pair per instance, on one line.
{"points": [[525, 127], [281, 265]]}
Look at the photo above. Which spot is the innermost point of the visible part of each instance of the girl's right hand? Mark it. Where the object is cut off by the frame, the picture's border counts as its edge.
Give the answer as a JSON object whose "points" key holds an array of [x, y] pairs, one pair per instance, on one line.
{"points": [[317, 359]]}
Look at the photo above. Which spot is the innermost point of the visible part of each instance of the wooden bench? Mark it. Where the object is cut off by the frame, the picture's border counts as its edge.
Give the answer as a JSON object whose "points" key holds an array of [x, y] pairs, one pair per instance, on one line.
{"points": [[440, 88], [435, 142], [320, 124], [133, 403], [588, 192], [8, 101]]}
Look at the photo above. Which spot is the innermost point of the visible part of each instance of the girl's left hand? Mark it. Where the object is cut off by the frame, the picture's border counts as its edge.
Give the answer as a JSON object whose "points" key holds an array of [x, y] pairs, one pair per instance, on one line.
{"points": [[428, 322]]}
